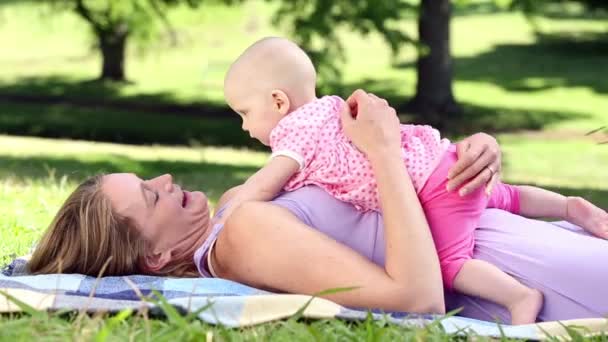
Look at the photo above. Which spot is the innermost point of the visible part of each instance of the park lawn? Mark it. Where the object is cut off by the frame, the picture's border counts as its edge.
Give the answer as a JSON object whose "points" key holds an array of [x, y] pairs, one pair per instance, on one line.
{"points": [[503, 70]]}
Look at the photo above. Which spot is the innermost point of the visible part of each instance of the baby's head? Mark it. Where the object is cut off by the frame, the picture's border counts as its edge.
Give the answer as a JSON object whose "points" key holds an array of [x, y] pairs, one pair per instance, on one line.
{"points": [[270, 79]]}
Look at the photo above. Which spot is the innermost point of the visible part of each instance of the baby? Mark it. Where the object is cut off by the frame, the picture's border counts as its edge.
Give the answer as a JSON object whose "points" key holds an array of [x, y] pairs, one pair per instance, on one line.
{"points": [[272, 87]]}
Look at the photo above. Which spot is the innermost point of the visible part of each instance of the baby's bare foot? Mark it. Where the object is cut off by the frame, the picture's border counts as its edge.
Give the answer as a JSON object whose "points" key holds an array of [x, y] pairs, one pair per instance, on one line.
{"points": [[525, 310], [586, 215]]}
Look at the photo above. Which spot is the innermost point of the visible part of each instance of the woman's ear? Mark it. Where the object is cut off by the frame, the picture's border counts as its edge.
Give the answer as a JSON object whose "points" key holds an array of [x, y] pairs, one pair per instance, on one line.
{"points": [[155, 262], [280, 101]]}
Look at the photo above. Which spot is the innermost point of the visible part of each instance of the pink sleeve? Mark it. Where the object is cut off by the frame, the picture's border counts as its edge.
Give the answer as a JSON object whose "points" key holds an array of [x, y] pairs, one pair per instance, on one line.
{"points": [[295, 138], [505, 197]]}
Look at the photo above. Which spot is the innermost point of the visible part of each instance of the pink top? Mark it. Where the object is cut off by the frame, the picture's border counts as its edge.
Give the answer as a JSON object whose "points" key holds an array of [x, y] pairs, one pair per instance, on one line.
{"points": [[312, 135]]}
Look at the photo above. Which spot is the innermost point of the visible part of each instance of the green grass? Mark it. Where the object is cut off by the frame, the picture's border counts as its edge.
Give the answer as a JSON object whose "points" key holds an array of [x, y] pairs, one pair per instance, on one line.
{"points": [[141, 328]]}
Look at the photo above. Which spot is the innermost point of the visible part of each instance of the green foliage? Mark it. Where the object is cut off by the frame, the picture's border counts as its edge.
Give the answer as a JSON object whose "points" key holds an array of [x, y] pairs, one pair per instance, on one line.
{"points": [[316, 25], [115, 22], [137, 18]]}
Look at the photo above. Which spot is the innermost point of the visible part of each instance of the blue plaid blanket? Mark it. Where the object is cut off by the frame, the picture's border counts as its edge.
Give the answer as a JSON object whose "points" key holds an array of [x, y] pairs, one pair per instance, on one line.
{"points": [[228, 303]]}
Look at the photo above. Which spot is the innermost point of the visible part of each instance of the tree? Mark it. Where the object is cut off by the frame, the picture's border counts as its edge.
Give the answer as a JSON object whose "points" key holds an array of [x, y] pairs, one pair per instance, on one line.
{"points": [[434, 97], [113, 22], [315, 25]]}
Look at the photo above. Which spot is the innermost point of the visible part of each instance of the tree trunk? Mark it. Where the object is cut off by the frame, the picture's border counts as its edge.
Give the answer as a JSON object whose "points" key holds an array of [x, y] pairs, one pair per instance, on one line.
{"points": [[113, 45], [434, 98]]}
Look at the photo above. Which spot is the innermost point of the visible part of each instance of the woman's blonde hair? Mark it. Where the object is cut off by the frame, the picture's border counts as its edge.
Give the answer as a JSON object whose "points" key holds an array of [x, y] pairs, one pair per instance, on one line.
{"points": [[88, 236]]}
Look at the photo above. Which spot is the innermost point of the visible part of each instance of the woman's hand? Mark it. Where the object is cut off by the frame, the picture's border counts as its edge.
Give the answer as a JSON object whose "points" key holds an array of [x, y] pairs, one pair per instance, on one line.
{"points": [[371, 124], [479, 163]]}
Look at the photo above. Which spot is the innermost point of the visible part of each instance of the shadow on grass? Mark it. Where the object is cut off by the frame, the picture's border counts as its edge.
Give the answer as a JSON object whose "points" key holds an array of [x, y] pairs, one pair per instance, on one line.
{"points": [[556, 60], [123, 126], [62, 107], [211, 178], [107, 124], [487, 119], [107, 94], [595, 9], [474, 118]]}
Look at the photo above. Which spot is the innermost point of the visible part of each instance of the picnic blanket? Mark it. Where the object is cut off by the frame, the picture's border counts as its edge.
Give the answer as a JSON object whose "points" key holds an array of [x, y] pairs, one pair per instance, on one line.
{"points": [[229, 303]]}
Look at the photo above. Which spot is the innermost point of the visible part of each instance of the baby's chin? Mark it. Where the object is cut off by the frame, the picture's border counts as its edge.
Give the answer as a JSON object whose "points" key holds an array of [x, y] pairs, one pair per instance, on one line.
{"points": [[265, 142]]}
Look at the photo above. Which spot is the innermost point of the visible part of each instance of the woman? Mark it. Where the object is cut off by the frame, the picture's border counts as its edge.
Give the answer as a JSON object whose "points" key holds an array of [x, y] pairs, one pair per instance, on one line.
{"points": [[302, 242]]}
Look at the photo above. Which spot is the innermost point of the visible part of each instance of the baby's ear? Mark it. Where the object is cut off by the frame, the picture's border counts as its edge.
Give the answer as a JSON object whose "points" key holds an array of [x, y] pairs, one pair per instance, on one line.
{"points": [[280, 101]]}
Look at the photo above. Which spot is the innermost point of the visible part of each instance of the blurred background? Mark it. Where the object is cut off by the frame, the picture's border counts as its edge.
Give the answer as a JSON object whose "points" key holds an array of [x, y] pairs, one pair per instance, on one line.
{"points": [[146, 76]]}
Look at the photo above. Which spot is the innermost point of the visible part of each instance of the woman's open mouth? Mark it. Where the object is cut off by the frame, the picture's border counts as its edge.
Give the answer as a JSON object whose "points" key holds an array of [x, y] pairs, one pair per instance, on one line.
{"points": [[184, 199]]}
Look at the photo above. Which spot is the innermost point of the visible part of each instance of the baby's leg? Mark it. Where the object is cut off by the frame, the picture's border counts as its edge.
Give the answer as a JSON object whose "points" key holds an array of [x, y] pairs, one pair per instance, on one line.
{"points": [[481, 279], [453, 220]]}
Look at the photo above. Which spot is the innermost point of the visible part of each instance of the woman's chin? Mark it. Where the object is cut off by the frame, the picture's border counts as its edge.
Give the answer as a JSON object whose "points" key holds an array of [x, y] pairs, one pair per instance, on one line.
{"points": [[199, 202], [197, 199]]}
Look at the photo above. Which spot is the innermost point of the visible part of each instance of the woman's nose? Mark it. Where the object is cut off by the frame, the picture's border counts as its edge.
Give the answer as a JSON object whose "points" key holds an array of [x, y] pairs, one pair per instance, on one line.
{"points": [[167, 182]]}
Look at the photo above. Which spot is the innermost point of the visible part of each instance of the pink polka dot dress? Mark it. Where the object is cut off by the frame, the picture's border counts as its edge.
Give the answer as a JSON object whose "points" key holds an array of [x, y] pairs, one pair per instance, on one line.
{"points": [[313, 136]]}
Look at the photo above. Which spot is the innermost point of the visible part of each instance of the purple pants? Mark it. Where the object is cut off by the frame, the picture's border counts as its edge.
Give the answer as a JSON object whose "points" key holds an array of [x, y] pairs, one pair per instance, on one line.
{"points": [[569, 266], [566, 264]]}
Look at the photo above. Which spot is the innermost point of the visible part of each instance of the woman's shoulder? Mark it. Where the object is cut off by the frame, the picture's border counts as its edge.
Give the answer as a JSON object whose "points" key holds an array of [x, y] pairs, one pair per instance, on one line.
{"points": [[227, 196]]}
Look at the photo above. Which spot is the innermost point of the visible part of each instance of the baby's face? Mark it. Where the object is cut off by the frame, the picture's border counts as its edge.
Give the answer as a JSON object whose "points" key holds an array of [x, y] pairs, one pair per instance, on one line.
{"points": [[256, 109]]}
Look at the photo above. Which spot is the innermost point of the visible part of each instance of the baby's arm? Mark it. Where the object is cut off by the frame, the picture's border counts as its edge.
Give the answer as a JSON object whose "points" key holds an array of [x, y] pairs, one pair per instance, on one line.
{"points": [[537, 202], [265, 184], [529, 201]]}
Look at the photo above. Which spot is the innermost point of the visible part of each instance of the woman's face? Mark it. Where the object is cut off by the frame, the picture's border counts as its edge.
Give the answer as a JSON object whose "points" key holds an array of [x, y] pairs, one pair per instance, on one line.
{"points": [[168, 217]]}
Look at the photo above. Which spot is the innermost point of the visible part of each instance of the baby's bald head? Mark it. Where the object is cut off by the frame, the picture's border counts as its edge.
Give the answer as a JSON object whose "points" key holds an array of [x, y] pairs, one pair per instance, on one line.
{"points": [[273, 63]]}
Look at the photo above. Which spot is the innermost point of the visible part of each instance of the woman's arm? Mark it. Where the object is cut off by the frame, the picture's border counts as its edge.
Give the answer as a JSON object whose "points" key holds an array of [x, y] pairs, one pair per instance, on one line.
{"points": [[284, 254], [266, 246], [411, 259]]}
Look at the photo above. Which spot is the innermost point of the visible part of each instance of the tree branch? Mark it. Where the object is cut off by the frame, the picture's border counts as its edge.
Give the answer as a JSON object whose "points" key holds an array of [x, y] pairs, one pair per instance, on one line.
{"points": [[84, 12], [163, 18]]}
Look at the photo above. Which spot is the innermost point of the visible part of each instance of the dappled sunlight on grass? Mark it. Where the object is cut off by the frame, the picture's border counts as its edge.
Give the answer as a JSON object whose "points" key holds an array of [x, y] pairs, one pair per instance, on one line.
{"points": [[501, 65]]}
